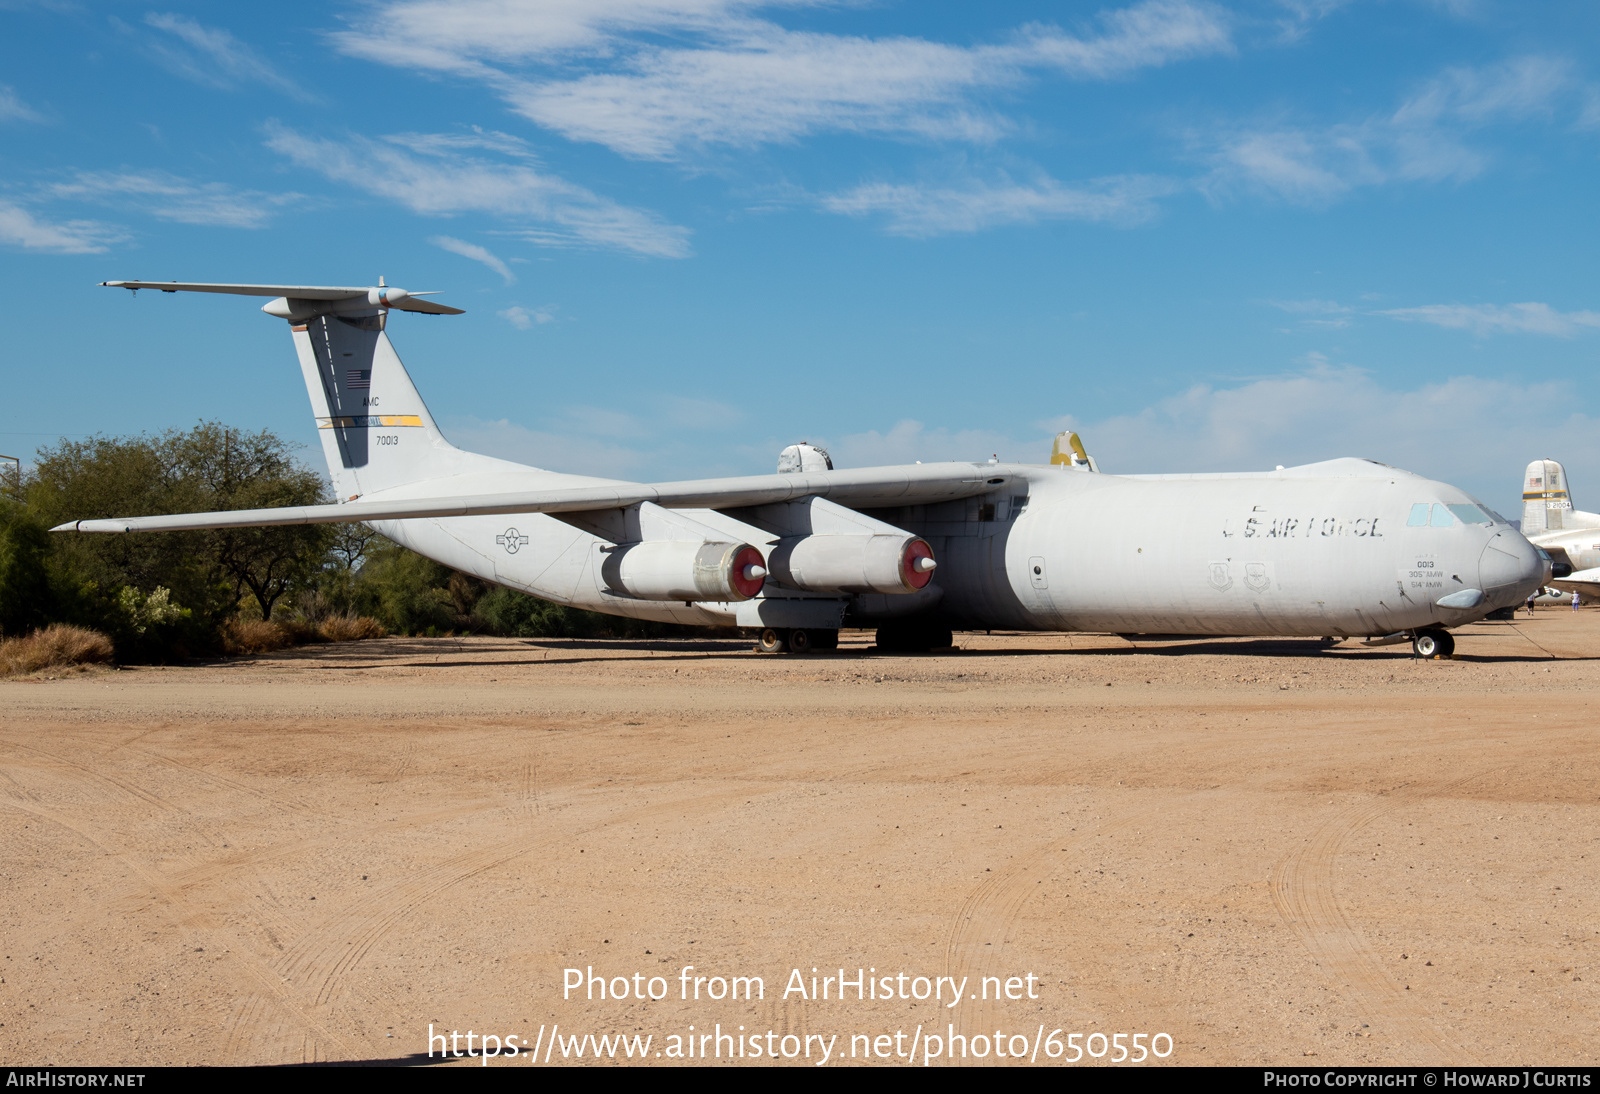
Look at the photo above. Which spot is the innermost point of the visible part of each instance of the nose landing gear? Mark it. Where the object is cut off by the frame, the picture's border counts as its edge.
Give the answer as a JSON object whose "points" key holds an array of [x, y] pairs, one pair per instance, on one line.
{"points": [[1429, 644]]}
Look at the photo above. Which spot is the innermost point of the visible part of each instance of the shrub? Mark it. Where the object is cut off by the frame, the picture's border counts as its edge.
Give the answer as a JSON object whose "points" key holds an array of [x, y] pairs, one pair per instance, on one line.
{"points": [[351, 628], [55, 646], [252, 636]]}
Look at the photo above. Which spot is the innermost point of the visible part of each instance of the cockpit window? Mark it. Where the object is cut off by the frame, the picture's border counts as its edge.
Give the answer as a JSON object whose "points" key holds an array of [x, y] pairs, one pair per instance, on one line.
{"points": [[1437, 515], [1493, 516]]}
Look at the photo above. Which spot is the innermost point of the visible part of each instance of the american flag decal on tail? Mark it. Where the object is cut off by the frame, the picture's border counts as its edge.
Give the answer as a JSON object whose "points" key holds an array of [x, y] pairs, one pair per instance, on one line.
{"points": [[358, 379]]}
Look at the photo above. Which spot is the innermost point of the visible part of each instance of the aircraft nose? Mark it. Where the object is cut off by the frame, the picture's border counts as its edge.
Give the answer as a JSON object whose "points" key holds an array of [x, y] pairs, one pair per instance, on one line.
{"points": [[1509, 569]]}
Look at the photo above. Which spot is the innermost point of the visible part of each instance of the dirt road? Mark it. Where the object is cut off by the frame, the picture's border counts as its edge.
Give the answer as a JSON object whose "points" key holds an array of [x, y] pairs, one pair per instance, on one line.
{"points": [[1265, 851]]}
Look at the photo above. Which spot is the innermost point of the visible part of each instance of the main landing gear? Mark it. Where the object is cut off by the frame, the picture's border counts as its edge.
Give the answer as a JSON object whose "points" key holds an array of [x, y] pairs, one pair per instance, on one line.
{"points": [[1430, 644], [795, 640]]}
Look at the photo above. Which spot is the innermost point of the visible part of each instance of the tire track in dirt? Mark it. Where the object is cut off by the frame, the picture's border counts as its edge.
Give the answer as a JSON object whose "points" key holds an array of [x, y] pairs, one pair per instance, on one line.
{"points": [[174, 890], [186, 918], [1305, 887], [987, 919], [319, 962]]}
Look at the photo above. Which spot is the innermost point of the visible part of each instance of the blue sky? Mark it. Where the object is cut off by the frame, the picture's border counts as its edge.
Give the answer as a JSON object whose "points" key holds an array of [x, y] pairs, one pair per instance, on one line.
{"points": [[1211, 236]]}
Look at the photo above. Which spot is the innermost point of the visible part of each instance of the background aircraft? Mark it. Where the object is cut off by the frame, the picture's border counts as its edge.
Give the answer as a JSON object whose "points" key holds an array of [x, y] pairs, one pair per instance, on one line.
{"points": [[1347, 547], [1570, 536]]}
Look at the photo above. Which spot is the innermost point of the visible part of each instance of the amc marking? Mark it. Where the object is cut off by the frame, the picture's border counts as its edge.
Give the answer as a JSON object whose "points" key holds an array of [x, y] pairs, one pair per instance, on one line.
{"points": [[512, 541]]}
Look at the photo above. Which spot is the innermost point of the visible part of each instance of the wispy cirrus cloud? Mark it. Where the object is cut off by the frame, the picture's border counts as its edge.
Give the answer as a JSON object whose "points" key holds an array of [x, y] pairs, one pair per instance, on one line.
{"points": [[970, 205], [1328, 314], [440, 183], [478, 254], [22, 229], [600, 73], [13, 109], [212, 56], [171, 197], [1486, 319], [1423, 139]]}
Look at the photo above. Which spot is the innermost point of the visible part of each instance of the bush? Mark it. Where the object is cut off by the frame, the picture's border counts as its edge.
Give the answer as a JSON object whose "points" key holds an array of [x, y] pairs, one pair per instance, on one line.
{"points": [[56, 646], [351, 628], [243, 637]]}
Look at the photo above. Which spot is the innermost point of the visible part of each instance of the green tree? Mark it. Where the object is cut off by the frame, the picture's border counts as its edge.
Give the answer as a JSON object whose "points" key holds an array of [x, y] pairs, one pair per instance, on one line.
{"points": [[211, 467], [26, 599]]}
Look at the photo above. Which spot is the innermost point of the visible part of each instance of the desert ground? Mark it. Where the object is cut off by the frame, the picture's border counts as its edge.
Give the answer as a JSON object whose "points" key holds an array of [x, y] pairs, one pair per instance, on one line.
{"points": [[1268, 851]]}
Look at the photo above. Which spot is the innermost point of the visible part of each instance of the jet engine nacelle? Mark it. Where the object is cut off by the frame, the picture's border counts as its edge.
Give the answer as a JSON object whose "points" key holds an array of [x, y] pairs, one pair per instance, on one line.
{"points": [[685, 570], [853, 563]]}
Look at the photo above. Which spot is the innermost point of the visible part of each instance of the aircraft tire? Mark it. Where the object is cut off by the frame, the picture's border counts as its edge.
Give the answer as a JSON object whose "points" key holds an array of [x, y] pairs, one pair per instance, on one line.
{"points": [[800, 641], [772, 640], [1431, 643]]}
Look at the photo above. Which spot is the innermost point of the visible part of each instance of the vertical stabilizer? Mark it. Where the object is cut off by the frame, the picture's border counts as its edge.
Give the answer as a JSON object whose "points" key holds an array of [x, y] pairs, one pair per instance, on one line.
{"points": [[376, 432], [1545, 499]]}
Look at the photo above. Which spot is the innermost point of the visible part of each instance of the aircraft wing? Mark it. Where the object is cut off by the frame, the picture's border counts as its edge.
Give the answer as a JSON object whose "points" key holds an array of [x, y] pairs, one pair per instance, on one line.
{"points": [[862, 489]]}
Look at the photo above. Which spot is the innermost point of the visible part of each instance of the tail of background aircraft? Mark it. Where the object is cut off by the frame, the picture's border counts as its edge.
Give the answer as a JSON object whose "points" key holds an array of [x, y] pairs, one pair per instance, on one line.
{"points": [[1545, 500]]}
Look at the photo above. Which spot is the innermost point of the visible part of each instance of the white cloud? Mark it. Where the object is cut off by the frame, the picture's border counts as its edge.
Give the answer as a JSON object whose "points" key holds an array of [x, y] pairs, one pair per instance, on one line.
{"points": [[1473, 432], [1311, 307], [1322, 314], [971, 205], [1486, 319], [1421, 140], [170, 197], [13, 109], [213, 56], [483, 255], [441, 185], [1518, 88], [20, 228], [523, 319], [731, 78]]}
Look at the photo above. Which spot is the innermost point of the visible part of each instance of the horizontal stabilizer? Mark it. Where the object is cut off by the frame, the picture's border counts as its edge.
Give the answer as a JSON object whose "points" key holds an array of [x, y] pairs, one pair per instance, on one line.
{"points": [[1586, 582], [872, 488], [376, 295]]}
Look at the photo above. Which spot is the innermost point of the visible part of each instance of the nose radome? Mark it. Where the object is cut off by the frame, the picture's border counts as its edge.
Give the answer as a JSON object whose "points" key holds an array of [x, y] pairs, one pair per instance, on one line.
{"points": [[1510, 568]]}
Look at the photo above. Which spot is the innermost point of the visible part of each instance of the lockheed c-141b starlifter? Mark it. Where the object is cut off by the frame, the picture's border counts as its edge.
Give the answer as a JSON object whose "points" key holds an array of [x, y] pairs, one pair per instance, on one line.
{"points": [[1343, 548]]}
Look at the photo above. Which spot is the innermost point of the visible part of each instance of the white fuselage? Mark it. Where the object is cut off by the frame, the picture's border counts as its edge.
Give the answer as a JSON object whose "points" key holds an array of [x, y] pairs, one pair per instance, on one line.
{"points": [[1326, 549]]}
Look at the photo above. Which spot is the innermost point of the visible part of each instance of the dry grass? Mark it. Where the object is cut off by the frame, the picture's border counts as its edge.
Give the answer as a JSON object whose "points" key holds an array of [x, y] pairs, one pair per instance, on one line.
{"points": [[56, 646], [251, 636], [248, 637], [351, 628]]}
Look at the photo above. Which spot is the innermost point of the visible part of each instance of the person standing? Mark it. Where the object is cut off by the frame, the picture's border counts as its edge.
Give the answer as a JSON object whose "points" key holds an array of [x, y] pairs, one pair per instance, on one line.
{"points": [[1575, 600]]}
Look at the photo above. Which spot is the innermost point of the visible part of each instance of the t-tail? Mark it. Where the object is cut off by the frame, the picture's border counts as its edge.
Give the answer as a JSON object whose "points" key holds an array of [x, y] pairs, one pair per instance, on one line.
{"points": [[376, 431]]}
